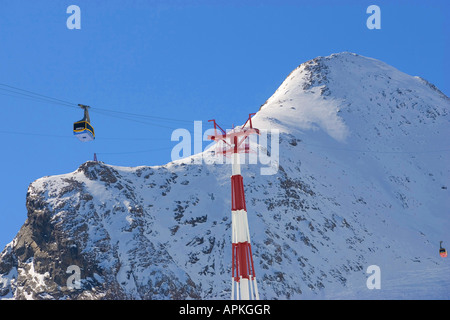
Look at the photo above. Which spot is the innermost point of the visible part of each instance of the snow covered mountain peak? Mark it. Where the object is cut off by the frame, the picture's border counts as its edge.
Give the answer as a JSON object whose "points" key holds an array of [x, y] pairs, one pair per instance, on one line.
{"points": [[362, 180], [342, 93]]}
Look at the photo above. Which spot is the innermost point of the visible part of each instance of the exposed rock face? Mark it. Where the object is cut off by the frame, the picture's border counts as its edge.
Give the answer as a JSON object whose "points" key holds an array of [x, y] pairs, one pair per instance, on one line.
{"points": [[361, 179]]}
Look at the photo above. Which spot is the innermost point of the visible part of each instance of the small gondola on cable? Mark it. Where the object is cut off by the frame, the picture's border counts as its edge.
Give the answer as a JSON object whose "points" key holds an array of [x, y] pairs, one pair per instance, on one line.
{"points": [[442, 251], [83, 129]]}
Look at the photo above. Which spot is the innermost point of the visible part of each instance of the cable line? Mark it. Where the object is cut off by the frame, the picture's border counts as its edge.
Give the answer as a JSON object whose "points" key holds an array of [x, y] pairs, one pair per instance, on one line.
{"points": [[118, 114], [71, 137], [38, 95], [131, 152], [134, 120], [142, 115]]}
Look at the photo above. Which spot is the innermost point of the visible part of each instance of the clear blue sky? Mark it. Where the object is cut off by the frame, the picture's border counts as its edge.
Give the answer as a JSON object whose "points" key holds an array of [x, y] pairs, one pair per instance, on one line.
{"points": [[187, 60]]}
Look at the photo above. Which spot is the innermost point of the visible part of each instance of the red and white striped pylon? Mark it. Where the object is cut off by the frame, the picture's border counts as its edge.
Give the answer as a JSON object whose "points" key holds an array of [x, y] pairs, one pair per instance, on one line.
{"points": [[244, 285], [243, 279]]}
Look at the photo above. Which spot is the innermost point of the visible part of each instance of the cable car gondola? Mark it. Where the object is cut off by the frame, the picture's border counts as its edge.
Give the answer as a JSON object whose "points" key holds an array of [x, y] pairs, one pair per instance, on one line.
{"points": [[83, 129], [442, 251]]}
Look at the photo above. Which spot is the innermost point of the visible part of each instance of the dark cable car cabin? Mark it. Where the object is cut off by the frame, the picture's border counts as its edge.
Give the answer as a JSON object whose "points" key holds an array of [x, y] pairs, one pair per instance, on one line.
{"points": [[442, 251], [82, 129]]}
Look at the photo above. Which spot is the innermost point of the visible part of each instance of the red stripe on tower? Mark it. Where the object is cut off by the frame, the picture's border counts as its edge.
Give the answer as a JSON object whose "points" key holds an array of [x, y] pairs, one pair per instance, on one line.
{"points": [[237, 193]]}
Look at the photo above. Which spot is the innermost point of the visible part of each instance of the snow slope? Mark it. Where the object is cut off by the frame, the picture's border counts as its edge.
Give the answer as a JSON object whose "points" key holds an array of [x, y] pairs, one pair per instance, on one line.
{"points": [[361, 179]]}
